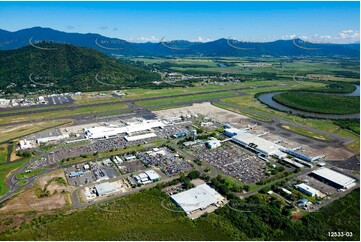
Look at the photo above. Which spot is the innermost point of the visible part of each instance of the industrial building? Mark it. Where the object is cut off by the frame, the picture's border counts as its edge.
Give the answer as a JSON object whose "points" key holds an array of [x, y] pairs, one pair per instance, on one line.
{"points": [[106, 188], [198, 198], [310, 191], [213, 143], [147, 177], [106, 132], [333, 178], [25, 144]]}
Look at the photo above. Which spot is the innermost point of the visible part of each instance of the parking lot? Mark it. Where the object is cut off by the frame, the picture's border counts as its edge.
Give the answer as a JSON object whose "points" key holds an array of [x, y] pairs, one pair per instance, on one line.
{"points": [[58, 99], [233, 160], [169, 162]]}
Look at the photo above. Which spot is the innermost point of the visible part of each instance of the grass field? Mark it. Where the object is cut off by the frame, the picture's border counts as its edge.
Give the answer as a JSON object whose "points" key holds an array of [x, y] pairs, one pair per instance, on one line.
{"points": [[12, 132], [23, 175], [5, 170], [305, 132], [319, 103], [170, 101], [3, 153], [62, 113], [138, 216]]}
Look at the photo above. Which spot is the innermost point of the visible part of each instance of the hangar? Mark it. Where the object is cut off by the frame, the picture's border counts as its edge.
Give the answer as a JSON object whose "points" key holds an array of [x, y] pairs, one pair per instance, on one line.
{"points": [[198, 198], [333, 178]]}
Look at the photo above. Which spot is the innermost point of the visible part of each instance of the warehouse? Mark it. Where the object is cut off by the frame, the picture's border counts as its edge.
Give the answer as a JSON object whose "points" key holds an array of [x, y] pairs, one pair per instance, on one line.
{"points": [[198, 198], [152, 175], [333, 178], [106, 188], [106, 132], [310, 191]]}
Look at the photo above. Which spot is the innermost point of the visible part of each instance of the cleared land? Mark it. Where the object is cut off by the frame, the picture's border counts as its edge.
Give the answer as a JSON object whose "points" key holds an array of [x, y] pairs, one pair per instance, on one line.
{"points": [[319, 103]]}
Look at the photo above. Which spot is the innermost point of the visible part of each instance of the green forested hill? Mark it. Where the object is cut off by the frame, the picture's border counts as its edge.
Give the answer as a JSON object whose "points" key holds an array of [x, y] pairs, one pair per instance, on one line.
{"points": [[65, 68]]}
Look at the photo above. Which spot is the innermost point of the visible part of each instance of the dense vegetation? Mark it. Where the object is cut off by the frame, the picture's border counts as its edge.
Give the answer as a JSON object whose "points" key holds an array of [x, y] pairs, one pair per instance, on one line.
{"points": [[142, 216], [319, 103], [351, 124], [66, 68]]}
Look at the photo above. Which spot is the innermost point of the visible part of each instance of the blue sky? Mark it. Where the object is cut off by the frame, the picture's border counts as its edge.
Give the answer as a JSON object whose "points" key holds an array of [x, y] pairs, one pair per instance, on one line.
{"points": [[336, 22]]}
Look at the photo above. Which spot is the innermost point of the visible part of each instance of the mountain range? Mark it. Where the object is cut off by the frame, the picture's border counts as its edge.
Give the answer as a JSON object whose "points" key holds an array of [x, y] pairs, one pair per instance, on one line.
{"points": [[217, 48]]}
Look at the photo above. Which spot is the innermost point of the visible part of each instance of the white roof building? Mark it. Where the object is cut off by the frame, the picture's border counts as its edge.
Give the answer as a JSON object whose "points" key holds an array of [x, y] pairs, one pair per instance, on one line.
{"points": [[309, 190], [213, 143], [106, 188], [334, 178], [25, 144], [52, 138], [138, 137], [258, 144], [152, 175], [198, 198], [105, 132]]}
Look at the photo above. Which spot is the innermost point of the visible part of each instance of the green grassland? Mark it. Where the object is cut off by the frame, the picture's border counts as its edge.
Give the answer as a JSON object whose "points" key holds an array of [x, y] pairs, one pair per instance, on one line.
{"points": [[3, 153], [5, 170], [142, 216], [135, 217], [169, 101], [319, 103]]}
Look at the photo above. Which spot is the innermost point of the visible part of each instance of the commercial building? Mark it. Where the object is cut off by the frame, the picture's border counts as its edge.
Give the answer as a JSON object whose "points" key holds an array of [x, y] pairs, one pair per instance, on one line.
{"points": [[139, 137], [106, 132], [230, 132], [310, 191], [52, 138], [106, 188], [257, 144], [198, 198], [25, 144], [333, 178], [293, 163], [298, 154]]}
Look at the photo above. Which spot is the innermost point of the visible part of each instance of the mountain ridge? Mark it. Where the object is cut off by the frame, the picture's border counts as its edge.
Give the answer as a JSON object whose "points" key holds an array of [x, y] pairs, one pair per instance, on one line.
{"points": [[220, 47]]}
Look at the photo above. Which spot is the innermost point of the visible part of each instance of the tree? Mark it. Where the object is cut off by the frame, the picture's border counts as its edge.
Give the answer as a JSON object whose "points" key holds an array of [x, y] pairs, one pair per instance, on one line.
{"points": [[193, 175]]}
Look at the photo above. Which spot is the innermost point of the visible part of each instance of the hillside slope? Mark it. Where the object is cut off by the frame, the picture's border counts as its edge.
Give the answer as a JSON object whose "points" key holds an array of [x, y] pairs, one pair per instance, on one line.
{"points": [[66, 68]]}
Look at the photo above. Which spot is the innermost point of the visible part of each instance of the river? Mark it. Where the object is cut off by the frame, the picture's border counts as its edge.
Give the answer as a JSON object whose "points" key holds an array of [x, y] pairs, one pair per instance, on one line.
{"points": [[267, 99]]}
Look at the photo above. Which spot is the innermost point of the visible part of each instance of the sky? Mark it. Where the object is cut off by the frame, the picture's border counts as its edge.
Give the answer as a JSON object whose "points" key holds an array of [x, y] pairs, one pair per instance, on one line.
{"points": [[322, 22]]}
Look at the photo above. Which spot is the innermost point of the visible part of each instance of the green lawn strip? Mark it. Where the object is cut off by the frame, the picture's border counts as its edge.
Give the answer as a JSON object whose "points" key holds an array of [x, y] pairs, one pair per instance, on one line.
{"points": [[62, 113], [4, 171], [169, 101], [305, 132], [243, 112], [24, 175], [3, 153]]}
